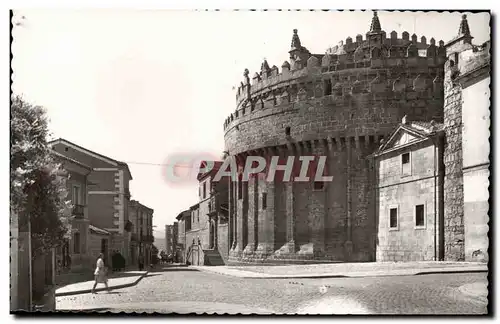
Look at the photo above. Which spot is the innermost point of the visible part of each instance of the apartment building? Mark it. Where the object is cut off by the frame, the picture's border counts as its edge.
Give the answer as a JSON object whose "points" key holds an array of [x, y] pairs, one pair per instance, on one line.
{"points": [[142, 238], [108, 195]]}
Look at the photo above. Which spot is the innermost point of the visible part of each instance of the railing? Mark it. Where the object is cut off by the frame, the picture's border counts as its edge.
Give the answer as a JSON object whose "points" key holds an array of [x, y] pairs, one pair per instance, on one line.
{"points": [[146, 238], [78, 211]]}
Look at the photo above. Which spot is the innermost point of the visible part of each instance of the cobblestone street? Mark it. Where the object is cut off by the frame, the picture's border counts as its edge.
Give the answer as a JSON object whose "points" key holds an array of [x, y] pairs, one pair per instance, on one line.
{"points": [[185, 290]]}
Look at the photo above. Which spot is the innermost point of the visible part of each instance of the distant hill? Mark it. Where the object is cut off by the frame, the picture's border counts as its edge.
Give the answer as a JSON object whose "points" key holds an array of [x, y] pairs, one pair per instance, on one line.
{"points": [[160, 243]]}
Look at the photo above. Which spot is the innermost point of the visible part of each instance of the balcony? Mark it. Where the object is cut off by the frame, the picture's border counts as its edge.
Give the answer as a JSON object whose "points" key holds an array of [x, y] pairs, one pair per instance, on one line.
{"points": [[147, 238], [78, 211]]}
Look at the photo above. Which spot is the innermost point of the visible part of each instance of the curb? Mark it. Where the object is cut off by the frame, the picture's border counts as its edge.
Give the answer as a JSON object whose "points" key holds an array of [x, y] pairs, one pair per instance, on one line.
{"points": [[363, 275], [452, 271], [86, 291]]}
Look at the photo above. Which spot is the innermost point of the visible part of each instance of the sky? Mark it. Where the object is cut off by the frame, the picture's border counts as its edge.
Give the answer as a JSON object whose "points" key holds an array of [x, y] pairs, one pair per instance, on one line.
{"points": [[141, 85]]}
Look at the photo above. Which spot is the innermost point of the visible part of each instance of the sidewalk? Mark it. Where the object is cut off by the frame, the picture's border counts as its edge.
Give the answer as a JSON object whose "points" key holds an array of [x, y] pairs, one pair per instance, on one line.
{"points": [[125, 279], [333, 270]]}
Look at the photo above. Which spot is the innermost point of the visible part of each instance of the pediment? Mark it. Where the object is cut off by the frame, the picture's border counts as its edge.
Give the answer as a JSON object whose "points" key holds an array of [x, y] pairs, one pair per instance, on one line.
{"points": [[402, 136]]}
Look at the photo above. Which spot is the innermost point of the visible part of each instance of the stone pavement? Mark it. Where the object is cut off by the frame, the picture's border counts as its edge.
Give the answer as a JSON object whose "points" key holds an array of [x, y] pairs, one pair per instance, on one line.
{"points": [[476, 290], [333, 270], [181, 307], [125, 279], [186, 290]]}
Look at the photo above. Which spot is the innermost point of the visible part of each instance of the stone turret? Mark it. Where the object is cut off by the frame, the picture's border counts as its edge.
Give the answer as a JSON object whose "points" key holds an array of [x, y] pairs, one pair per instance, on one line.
{"points": [[462, 41], [375, 26], [376, 35], [297, 50], [464, 30], [339, 104]]}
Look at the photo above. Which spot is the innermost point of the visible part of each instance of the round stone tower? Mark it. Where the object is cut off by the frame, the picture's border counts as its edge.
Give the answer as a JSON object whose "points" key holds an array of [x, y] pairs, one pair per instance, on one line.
{"points": [[339, 104]]}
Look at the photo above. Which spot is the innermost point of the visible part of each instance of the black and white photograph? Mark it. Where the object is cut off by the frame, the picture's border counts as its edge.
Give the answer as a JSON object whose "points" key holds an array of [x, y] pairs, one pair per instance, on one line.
{"points": [[250, 162]]}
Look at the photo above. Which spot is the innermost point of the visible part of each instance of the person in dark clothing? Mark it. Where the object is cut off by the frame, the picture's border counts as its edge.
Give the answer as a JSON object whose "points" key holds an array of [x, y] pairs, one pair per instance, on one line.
{"points": [[141, 262], [118, 261]]}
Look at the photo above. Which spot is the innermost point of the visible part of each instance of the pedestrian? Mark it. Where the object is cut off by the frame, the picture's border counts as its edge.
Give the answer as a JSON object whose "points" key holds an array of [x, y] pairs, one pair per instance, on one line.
{"points": [[100, 273], [141, 262]]}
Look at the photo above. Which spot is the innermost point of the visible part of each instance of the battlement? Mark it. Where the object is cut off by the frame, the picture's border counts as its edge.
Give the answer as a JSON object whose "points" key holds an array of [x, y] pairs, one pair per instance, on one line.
{"points": [[375, 64], [393, 52]]}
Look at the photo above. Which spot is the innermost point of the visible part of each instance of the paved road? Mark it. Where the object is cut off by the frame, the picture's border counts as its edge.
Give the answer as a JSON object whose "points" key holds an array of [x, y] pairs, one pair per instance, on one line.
{"points": [[183, 290]]}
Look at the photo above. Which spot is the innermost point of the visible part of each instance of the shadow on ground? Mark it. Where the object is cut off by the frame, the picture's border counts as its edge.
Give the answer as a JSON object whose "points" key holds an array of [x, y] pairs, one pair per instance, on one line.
{"points": [[85, 311], [179, 269], [69, 279]]}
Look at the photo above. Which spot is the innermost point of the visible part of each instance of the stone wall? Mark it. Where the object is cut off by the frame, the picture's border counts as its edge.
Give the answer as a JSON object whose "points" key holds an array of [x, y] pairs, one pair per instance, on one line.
{"points": [[315, 119], [304, 222], [340, 105], [453, 157], [222, 241]]}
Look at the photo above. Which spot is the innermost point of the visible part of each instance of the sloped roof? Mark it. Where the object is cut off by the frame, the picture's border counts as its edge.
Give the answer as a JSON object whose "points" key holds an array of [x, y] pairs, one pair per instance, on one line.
{"points": [[65, 141], [181, 214], [98, 230], [64, 157], [421, 130], [202, 175]]}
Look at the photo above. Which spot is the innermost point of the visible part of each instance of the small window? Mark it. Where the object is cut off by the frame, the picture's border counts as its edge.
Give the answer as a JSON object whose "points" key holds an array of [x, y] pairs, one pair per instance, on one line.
{"points": [[319, 185], [204, 190], [405, 164], [419, 215], [104, 246], [327, 87], [240, 188], [287, 131], [393, 218], [76, 199], [76, 241], [264, 200]]}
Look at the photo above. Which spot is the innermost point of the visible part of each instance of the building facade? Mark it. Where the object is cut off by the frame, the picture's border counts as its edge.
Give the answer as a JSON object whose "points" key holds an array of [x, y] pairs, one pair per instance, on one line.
{"points": [[341, 105], [184, 226], [206, 226], [108, 193], [409, 174], [142, 238], [169, 239], [466, 111], [74, 253]]}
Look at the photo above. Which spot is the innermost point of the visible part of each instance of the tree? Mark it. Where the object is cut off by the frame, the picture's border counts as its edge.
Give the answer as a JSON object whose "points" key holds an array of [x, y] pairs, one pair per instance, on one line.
{"points": [[38, 184]]}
